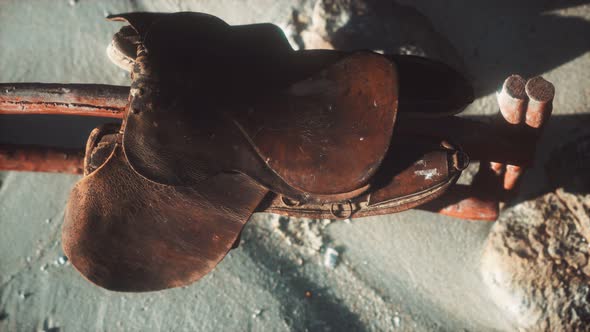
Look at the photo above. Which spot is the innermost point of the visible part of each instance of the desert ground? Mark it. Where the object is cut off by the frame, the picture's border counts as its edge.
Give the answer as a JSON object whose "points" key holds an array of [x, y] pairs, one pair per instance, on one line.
{"points": [[411, 271]]}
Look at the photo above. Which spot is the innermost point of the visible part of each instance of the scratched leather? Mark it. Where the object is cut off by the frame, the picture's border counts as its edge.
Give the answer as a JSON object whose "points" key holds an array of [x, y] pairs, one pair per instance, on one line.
{"points": [[416, 170], [328, 134]]}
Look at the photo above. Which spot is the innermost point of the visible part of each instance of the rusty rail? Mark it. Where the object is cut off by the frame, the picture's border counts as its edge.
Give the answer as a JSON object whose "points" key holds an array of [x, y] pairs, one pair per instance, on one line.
{"points": [[99, 100], [33, 158]]}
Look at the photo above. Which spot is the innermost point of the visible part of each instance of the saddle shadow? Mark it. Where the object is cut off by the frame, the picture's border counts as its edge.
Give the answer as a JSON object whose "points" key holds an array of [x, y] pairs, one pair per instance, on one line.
{"points": [[493, 38]]}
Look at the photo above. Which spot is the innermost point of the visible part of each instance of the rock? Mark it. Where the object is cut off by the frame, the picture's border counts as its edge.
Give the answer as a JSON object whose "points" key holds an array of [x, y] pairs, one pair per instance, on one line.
{"points": [[535, 264], [382, 26]]}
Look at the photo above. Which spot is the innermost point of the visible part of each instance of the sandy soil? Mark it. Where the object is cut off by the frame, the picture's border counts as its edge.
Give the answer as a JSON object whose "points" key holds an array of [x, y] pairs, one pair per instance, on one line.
{"points": [[412, 271]]}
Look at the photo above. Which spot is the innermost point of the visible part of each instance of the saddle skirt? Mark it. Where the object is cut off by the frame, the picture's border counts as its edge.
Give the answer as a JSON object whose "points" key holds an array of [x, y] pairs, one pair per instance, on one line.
{"points": [[225, 121]]}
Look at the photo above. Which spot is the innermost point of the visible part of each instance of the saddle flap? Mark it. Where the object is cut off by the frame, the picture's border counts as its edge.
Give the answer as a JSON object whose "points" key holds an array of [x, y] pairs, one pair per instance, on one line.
{"points": [[416, 167], [127, 233], [416, 170]]}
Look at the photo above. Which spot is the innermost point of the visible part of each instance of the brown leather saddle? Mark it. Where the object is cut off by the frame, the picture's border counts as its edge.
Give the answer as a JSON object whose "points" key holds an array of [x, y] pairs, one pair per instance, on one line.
{"points": [[225, 121]]}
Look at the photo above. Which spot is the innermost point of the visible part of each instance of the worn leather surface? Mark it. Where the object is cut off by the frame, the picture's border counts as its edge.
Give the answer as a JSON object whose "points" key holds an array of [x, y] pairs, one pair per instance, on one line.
{"points": [[127, 233], [308, 132], [417, 169]]}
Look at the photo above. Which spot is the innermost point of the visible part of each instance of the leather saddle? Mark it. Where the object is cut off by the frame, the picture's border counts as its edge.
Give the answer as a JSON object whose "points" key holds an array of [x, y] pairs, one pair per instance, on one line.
{"points": [[225, 121]]}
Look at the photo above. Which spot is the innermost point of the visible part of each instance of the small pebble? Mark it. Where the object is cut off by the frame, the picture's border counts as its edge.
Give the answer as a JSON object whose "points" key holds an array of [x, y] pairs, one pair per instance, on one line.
{"points": [[257, 313], [62, 260], [331, 258], [299, 261]]}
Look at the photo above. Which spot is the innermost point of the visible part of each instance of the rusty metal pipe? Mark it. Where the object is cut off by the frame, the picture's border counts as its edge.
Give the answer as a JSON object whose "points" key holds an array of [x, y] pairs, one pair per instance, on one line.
{"points": [[31, 158], [540, 106], [512, 101], [464, 202], [481, 141], [99, 100]]}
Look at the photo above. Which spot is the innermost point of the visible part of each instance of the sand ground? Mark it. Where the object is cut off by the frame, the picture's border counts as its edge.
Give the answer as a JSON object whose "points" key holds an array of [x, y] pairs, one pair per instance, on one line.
{"points": [[413, 271]]}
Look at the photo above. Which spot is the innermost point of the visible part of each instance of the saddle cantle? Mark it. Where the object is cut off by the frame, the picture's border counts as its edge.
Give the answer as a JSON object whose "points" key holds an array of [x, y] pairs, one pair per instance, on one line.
{"points": [[225, 121]]}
